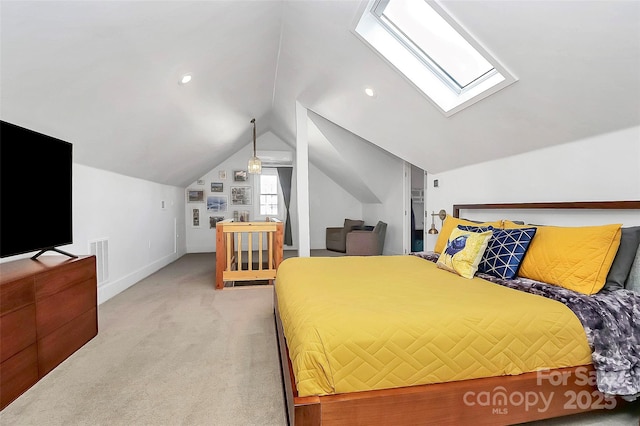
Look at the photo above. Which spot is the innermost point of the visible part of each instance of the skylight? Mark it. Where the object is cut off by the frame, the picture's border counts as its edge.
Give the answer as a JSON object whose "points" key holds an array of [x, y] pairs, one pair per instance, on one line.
{"points": [[434, 52]]}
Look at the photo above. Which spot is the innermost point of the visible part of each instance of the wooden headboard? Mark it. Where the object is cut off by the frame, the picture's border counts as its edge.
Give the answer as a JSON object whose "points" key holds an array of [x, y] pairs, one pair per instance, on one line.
{"points": [[603, 205]]}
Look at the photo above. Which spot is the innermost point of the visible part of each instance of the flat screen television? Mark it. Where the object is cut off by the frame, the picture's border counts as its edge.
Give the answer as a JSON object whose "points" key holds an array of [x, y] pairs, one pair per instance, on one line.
{"points": [[35, 192]]}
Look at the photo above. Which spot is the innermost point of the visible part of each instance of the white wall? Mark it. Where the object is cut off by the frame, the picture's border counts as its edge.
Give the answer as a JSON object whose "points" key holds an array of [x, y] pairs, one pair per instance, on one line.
{"points": [[605, 167], [127, 211], [302, 180], [380, 177], [202, 239], [329, 203], [329, 206], [385, 174]]}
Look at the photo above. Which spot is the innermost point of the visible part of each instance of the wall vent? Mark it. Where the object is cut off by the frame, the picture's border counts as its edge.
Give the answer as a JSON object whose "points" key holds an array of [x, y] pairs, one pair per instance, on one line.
{"points": [[275, 158], [100, 248]]}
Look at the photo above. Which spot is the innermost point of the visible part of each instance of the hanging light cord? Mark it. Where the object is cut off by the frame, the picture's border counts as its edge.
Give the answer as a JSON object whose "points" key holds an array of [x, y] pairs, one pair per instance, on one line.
{"points": [[253, 121]]}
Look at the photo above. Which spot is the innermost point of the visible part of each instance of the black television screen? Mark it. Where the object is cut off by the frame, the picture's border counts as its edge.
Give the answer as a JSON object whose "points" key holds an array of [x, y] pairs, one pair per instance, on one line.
{"points": [[35, 191]]}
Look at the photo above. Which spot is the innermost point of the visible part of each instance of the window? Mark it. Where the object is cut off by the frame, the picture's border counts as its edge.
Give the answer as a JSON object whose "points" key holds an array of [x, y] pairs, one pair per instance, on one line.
{"points": [[269, 186], [432, 51]]}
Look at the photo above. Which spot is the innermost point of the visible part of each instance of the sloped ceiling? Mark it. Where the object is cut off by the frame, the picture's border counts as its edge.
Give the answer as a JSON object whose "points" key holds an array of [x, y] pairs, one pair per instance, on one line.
{"points": [[104, 75], [340, 155]]}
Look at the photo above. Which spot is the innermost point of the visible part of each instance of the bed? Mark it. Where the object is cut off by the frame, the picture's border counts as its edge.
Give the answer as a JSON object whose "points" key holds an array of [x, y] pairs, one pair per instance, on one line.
{"points": [[507, 351]]}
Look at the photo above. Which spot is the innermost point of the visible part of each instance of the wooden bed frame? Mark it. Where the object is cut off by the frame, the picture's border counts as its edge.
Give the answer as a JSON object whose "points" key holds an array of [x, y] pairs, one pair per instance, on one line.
{"points": [[501, 400]]}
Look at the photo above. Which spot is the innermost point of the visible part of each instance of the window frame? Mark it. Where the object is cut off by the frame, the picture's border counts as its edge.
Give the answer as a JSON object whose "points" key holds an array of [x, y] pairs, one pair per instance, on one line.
{"points": [[439, 70], [368, 28], [274, 172]]}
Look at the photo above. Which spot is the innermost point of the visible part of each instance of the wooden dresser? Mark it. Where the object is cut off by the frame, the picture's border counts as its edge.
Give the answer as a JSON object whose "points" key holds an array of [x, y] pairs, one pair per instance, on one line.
{"points": [[48, 310]]}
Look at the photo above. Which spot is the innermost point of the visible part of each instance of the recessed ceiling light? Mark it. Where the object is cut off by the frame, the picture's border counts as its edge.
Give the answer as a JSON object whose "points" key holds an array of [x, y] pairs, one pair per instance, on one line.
{"points": [[185, 79], [369, 92]]}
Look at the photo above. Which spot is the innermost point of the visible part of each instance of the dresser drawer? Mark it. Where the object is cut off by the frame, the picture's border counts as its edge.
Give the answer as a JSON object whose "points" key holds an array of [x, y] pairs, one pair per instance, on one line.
{"points": [[61, 343], [16, 294], [52, 282], [18, 374], [55, 311], [17, 331]]}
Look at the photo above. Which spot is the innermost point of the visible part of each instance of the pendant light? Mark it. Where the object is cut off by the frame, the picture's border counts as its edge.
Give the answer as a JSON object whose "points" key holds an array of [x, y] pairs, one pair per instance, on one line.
{"points": [[255, 165]]}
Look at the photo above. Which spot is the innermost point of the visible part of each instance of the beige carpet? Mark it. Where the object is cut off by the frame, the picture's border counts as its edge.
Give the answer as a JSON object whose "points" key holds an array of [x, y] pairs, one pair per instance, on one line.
{"points": [[170, 351], [173, 351]]}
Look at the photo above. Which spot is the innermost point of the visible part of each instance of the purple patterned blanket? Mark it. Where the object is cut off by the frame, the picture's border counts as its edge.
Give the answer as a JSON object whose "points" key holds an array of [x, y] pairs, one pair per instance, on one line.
{"points": [[611, 320]]}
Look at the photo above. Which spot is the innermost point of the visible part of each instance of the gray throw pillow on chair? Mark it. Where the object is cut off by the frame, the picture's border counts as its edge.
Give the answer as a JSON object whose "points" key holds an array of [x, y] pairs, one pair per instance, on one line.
{"points": [[350, 223]]}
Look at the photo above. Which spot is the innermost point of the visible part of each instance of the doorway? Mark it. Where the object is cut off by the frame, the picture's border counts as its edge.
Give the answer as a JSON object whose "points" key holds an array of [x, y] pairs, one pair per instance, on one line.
{"points": [[417, 208]]}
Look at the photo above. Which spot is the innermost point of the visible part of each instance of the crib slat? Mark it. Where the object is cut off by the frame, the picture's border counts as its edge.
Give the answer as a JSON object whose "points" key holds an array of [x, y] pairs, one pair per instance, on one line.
{"points": [[229, 248], [239, 259], [250, 261], [270, 244], [260, 251]]}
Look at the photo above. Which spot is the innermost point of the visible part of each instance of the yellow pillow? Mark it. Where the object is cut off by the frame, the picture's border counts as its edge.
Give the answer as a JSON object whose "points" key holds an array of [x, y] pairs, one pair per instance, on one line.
{"points": [[507, 224], [577, 258], [450, 223], [463, 252]]}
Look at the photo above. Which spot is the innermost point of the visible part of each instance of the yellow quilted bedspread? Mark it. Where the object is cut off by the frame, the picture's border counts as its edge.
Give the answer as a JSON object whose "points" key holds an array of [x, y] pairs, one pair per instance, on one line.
{"points": [[363, 323]]}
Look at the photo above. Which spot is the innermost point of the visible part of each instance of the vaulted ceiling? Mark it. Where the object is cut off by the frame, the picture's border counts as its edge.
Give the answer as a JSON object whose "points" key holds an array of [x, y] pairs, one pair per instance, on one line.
{"points": [[104, 75]]}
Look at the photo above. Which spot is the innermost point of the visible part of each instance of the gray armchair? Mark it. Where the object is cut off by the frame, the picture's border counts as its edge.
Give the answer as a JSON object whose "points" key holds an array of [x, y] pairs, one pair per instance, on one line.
{"points": [[367, 243], [336, 238]]}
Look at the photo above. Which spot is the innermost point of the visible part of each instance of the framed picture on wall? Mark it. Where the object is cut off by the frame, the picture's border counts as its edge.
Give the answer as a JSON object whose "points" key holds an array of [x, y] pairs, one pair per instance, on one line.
{"points": [[217, 186], [195, 218], [240, 195], [195, 195], [217, 203], [222, 175], [241, 215], [240, 175], [213, 220]]}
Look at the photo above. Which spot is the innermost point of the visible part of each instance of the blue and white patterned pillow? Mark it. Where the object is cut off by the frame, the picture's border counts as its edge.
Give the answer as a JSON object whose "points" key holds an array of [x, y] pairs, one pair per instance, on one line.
{"points": [[505, 250]]}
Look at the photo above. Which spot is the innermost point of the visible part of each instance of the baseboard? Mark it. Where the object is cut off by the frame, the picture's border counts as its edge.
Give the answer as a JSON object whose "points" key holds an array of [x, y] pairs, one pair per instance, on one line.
{"points": [[113, 288]]}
